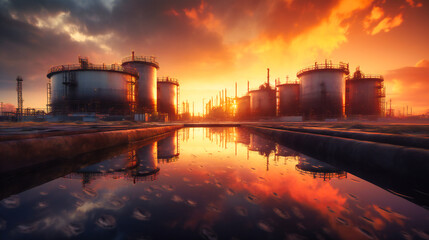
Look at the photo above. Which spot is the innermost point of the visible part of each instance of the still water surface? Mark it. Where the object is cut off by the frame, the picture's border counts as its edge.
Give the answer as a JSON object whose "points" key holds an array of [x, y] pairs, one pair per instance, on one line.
{"points": [[210, 183]]}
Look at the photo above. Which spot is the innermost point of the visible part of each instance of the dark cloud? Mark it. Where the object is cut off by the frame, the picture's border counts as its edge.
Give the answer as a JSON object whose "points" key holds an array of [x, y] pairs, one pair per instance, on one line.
{"points": [[182, 34]]}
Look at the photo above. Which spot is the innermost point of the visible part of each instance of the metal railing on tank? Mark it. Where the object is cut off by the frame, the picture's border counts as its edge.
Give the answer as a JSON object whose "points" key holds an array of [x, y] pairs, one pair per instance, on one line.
{"points": [[148, 59], [366, 76], [168, 80], [327, 65], [90, 66]]}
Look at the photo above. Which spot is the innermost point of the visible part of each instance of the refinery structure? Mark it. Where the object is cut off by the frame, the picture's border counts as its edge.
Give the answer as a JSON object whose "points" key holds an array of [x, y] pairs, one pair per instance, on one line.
{"points": [[323, 91], [132, 90]]}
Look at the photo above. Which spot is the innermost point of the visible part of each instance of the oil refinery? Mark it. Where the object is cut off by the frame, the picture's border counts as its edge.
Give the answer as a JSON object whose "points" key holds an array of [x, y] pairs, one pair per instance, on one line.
{"points": [[133, 91], [130, 91], [323, 91]]}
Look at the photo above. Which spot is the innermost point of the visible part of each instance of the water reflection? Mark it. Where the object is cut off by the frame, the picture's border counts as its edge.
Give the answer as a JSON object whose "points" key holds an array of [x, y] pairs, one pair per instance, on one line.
{"points": [[226, 183], [138, 164], [319, 169]]}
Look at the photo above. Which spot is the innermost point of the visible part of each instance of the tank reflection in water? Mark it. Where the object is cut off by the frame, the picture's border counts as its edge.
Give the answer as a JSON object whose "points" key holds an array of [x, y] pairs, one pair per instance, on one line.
{"points": [[225, 184]]}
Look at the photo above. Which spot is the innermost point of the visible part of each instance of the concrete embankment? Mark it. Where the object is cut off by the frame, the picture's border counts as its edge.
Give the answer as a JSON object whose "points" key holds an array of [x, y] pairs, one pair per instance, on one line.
{"points": [[378, 157], [29, 152], [395, 139]]}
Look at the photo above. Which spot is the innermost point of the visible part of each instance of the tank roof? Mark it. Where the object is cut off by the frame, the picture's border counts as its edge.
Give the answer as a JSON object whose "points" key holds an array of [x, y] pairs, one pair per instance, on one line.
{"points": [[327, 66], [141, 59], [288, 84], [84, 65], [168, 80], [358, 75]]}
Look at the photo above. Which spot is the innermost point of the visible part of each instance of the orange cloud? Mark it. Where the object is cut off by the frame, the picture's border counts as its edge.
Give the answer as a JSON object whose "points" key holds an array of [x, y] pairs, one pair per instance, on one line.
{"points": [[408, 86], [376, 14], [387, 24]]}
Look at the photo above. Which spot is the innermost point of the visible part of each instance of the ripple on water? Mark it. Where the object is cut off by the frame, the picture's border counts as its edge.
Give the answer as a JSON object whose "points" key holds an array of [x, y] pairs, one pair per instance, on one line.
{"points": [[342, 221], [141, 214], [365, 232], [281, 213], [185, 179], [41, 205], [207, 233], [213, 208], [106, 222], [241, 211], [73, 229], [251, 198], [353, 197], [177, 198], [420, 233], [167, 187], [191, 203], [11, 202], [297, 213], [28, 228], [265, 226], [115, 203], [144, 198]]}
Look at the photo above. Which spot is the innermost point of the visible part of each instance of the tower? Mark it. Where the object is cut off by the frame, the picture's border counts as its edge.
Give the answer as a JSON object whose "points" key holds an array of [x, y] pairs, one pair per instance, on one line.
{"points": [[20, 100]]}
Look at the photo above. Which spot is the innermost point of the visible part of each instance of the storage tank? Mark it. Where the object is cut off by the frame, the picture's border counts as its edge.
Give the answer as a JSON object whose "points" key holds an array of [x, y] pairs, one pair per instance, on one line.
{"points": [[168, 148], [263, 102], [288, 99], [146, 93], [86, 87], [168, 96], [365, 95], [146, 161], [243, 107], [322, 90]]}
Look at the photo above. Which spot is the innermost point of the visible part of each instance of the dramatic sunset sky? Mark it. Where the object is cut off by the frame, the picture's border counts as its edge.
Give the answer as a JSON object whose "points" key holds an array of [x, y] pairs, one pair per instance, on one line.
{"points": [[209, 45]]}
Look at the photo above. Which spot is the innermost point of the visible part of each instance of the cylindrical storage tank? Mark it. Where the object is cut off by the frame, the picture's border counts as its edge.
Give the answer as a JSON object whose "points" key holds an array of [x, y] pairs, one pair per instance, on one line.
{"points": [[168, 93], [243, 107], [85, 87], [147, 159], [364, 95], [322, 90], [288, 99], [263, 102], [146, 93], [168, 148]]}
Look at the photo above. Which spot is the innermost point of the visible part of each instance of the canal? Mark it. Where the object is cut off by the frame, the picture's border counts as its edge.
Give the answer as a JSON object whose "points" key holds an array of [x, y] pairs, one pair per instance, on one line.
{"points": [[203, 183]]}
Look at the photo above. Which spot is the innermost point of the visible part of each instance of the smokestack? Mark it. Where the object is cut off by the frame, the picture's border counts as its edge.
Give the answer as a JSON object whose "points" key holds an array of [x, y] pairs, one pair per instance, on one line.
{"points": [[226, 100], [268, 76], [132, 55], [248, 86], [235, 89]]}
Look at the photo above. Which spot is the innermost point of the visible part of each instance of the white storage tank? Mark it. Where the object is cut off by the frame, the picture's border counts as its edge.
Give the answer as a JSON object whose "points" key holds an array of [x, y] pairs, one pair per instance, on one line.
{"points": [[146, 93], [86, 87], [322, 90], [365, 95], [288, 99], [168, 96], [263, 102]]}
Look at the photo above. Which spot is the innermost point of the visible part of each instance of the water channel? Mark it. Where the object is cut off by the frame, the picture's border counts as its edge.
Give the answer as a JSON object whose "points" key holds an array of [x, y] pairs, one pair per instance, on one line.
{"points": [[206, 183]]}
